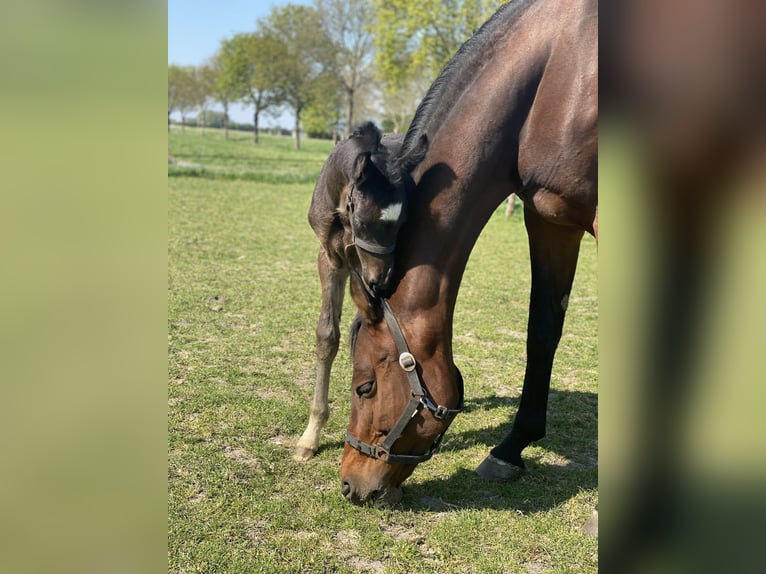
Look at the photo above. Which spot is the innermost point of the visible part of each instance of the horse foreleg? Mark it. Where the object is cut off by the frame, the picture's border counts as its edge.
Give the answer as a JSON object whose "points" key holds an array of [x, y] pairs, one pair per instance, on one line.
{"points": [[333, 281], [553, 253]]}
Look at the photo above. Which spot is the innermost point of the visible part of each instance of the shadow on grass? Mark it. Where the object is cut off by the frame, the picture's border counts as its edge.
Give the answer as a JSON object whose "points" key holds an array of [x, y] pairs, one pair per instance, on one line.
{"points": [[572, 434], [565, 409]]}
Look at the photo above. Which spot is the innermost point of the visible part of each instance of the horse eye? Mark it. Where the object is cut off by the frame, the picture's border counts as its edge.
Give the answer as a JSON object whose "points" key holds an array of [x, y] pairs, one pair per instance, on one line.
{"points": [[364, 389]]}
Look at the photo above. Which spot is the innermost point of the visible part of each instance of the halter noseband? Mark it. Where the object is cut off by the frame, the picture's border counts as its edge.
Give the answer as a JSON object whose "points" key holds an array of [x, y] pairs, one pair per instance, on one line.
{"points": [[418, 400]]}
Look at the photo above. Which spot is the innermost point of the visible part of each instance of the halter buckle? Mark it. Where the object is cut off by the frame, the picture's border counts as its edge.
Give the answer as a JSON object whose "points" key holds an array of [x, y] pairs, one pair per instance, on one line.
{"points": [[440, 412], [407, 361]]}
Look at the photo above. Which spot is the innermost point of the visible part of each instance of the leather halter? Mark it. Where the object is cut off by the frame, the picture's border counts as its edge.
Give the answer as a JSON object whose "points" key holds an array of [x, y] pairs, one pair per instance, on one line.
{"points": [[418, 400]]}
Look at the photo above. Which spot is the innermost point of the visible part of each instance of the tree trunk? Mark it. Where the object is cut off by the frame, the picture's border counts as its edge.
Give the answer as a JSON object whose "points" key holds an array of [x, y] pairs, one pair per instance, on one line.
{"points": [[168, 121], [297, 129], [201, 122], [183, 124], [255, 126], [349, 112], [225, 120]]}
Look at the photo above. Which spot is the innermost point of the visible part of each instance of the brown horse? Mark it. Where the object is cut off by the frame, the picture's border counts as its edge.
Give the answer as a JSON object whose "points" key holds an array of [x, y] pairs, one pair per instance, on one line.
{"points": [[358, 206], [515, 111]]}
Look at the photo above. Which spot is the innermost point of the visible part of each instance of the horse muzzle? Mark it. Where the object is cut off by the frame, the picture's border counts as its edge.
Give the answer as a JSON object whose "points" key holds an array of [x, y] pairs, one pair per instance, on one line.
{"points": [[379, 497]]}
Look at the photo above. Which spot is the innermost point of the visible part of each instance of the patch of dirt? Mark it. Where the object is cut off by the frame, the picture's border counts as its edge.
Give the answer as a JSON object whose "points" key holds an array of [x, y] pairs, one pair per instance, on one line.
{"points": [[269, 394], [255, 528], [584, 460], [240, 455], [284, 441], [347, 538], [347, 542], [535, 567], [403, 533], [198, 497], [360, 564], [214, 303], [304, 535], [512, 334]]}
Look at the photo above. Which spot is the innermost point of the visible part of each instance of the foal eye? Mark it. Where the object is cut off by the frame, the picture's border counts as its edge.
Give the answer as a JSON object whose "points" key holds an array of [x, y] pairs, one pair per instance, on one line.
{"points": [[364, 389]]}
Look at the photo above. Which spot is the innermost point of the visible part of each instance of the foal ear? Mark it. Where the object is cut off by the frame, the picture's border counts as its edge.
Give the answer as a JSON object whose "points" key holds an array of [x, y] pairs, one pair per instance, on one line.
{"points": [[360, 166]]}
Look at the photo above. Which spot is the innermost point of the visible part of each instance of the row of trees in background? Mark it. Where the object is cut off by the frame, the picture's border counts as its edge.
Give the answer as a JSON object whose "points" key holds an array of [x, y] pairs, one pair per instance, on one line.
{"points": [[329, 63]]}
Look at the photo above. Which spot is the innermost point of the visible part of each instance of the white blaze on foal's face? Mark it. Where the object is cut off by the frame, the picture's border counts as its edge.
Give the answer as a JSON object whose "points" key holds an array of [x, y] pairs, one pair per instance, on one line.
{"points": [[391, 213]]}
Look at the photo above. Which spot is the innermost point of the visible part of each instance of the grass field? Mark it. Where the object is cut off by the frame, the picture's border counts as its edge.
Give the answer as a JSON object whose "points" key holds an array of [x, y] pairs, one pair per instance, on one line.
{"points": [[243, 303]]}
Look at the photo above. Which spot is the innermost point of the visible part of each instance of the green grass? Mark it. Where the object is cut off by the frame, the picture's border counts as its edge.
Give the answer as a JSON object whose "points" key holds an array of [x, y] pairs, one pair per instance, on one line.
{"points": [[243, 305], [273, 161]]}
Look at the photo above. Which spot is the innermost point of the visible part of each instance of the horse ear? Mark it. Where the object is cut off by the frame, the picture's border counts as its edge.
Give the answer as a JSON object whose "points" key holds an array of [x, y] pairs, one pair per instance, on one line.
{"points": [[416, 154], [360, 166]]}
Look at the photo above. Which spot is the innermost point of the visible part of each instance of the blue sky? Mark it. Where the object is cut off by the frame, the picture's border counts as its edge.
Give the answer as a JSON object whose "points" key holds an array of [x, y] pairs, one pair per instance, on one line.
{"points": [[196, 28]]}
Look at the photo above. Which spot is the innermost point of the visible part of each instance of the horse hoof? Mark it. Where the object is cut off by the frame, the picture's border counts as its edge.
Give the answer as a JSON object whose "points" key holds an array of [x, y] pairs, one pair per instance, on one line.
{"points": [[493, 468], [302, 454]]}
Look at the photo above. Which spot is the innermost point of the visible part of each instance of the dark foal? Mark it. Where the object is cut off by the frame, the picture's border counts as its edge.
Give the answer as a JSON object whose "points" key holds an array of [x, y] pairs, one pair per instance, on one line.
{"points": [[358, 206]]}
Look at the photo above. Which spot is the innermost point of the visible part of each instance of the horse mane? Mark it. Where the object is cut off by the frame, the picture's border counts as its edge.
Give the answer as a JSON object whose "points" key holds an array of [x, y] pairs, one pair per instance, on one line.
{"points": [[455, 77]]}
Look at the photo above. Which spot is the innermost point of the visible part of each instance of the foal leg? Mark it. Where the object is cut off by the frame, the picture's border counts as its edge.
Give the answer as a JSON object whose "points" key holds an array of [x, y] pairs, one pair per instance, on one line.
{"points": [[333, 281], [553, 253]]}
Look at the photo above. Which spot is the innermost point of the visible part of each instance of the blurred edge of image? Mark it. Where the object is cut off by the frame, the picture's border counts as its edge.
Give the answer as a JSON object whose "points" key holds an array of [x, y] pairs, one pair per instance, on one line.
{"points": [[682, 286], [83, 237]]}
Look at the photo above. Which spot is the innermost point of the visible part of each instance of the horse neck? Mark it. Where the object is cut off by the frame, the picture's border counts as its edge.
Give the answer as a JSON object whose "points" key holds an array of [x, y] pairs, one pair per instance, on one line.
{"points": [[470, 167]]}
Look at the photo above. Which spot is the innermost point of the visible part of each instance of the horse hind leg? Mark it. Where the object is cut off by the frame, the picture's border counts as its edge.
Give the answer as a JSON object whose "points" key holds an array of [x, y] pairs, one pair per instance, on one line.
{"points": [[510, 205], [553, 252], [333, 281]]}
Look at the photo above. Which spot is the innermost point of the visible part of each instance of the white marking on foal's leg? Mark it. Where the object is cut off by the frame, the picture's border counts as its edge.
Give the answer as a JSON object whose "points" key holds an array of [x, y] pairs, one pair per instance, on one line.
{"points": [[565, 301], [391, 212]]}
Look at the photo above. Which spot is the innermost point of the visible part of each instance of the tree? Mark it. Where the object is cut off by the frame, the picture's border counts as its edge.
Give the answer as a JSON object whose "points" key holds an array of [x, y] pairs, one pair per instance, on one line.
{"points": [[349, 24], [174, 87], [224, 88], [212, 119], [419, 38], [323, 116], [399, 105], [181, 92], [246, 64], [204, 79], [301, 54]]}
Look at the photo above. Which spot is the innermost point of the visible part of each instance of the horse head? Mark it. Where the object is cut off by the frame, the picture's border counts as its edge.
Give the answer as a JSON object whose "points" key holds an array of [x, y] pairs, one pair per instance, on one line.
{"points": [[395, 422]]}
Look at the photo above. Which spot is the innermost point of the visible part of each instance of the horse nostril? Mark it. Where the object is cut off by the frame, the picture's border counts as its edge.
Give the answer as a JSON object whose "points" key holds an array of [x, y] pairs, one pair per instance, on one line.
{"points": [[345, 489]]}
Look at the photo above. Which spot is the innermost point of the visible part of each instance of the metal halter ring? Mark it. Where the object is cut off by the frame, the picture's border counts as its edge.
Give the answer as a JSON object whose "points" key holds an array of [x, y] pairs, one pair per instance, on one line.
{"points": [[407, 361]]}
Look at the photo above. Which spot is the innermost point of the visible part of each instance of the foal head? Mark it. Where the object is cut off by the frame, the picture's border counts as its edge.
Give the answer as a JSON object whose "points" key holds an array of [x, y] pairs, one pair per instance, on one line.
{"points": [[375, 205]]}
